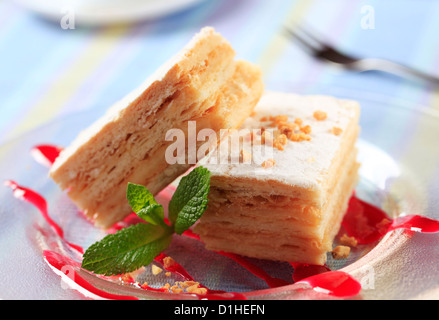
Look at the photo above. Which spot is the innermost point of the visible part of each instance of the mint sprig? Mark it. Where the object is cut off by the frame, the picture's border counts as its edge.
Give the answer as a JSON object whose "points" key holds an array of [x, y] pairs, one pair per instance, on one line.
{"points": [[127, 250], [135, 246], [189, 200]]}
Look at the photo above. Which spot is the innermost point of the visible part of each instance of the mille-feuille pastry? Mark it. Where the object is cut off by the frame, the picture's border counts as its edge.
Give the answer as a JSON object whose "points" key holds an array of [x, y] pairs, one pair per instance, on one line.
{"points": [[202, 83], [282, 195]]}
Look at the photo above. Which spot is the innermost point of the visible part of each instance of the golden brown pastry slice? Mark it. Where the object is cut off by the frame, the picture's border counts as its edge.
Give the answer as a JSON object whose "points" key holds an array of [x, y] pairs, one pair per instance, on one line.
{"points": [[286, 194], [203, 83]]}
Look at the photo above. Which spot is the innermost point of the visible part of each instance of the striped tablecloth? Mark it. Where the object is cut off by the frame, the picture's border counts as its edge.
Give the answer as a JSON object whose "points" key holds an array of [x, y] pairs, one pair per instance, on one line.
{"points": [[47, 71]]}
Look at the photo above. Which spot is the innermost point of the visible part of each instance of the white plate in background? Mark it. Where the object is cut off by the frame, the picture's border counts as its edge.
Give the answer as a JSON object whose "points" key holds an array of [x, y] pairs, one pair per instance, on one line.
{"points": [[103, 12]]}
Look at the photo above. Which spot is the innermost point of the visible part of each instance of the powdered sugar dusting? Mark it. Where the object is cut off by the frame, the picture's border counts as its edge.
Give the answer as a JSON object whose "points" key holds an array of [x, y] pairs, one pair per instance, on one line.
{"points": [[303, 163]]}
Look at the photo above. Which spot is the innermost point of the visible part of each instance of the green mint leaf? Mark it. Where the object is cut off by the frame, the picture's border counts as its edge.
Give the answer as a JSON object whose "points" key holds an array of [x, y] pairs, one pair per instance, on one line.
{"points": [[190, 199], [139, 197], [137, 245], [127, 250], [154, 214], [144, 205]]}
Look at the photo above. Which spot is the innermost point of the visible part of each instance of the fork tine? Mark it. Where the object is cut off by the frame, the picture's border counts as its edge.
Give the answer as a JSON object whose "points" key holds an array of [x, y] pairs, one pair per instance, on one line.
{"points": [[304, 39], [312, 34], [306, 44], [326, 51]]}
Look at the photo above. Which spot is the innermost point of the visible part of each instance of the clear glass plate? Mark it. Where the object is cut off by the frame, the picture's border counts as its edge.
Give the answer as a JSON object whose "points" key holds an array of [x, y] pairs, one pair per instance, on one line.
{"points": [[400, 174]]}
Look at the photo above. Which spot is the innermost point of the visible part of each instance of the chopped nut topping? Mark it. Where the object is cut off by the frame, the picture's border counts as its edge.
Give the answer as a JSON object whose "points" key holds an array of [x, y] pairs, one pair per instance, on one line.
{"points": [[168, 274], [320, 115], [286, 131], [195, 288], [341, 252], [126, 277], [287, 128], [294, 137], [280, 141], [268, 163], [156, 270], [297, 137], [188, 283], [306, 129], [167, 286], [168, 262], [349, 241], [276, 133], [337, 131], [278, 119], [192, 287], [176, 289], [245, 156]]}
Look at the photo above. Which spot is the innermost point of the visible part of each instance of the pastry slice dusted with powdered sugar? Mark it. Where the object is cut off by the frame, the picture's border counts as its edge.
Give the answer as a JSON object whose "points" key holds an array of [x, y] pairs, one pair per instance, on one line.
{"points": [[284, 194], [203, 83]]}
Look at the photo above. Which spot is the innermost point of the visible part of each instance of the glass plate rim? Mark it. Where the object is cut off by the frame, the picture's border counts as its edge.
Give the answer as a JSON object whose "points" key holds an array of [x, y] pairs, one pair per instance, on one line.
{"points": [[395, 103]]}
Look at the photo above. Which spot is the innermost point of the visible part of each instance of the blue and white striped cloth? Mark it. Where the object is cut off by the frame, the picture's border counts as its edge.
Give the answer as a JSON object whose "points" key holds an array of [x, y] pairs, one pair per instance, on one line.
{"points": [[47, 72]]}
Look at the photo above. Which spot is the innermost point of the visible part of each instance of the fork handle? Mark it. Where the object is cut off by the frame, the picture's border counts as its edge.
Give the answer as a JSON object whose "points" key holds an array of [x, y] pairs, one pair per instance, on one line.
{"points": [[393, 68]]}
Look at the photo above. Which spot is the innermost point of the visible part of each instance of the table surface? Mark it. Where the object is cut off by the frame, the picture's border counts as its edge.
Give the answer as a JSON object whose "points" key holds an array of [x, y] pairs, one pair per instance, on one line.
{"points": [[48, 72]]}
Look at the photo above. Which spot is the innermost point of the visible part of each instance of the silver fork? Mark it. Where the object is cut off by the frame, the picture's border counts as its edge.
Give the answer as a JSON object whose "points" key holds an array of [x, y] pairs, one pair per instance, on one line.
{"points": [[324, 51]]}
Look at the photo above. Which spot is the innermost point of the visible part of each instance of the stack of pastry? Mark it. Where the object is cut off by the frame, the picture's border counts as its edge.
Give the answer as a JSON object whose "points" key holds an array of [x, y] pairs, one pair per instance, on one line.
{"points": [[280, 193], [286, 204], [203, 83]]}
